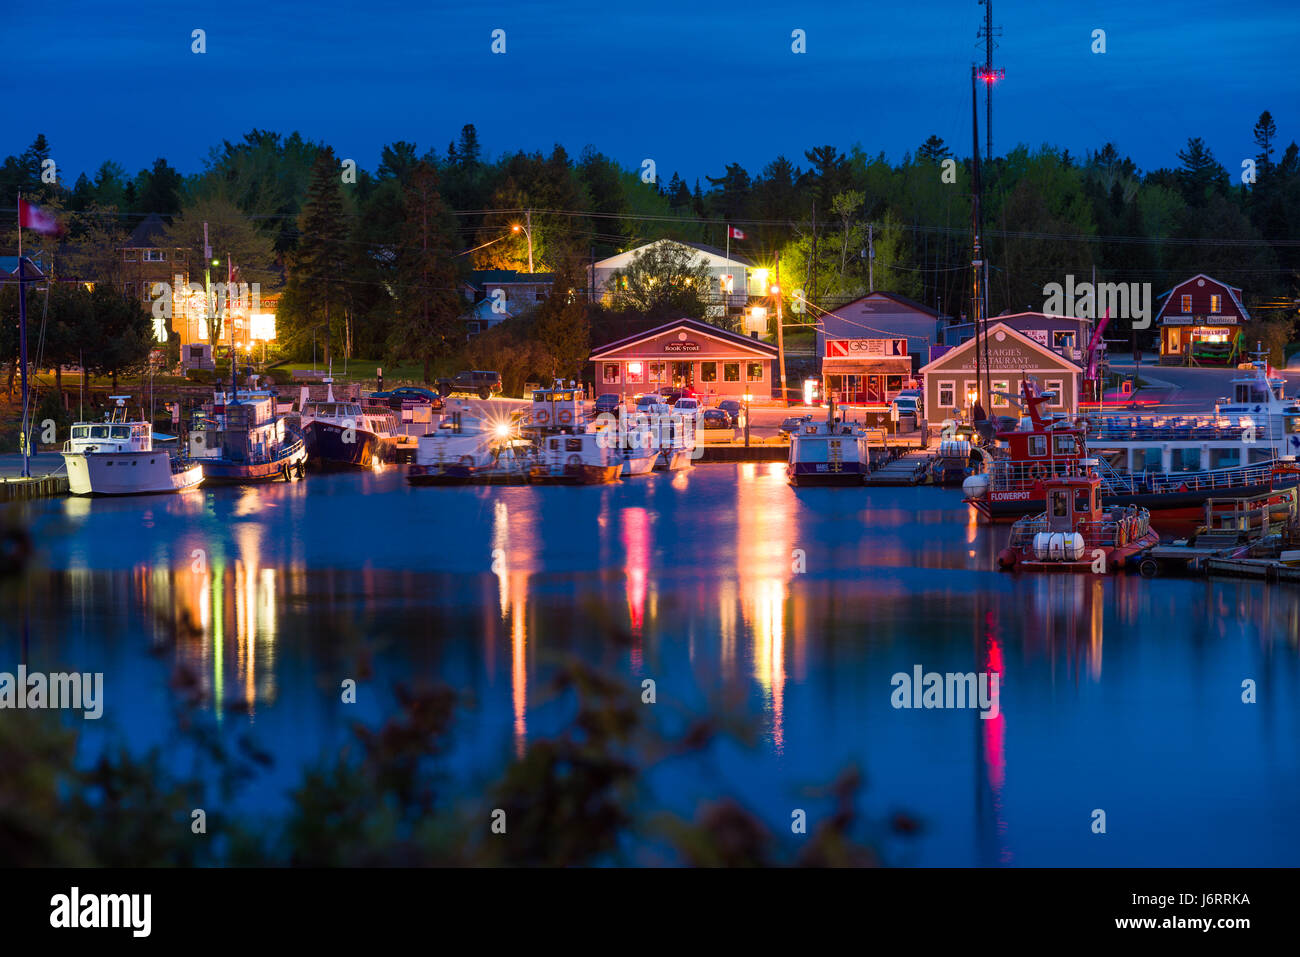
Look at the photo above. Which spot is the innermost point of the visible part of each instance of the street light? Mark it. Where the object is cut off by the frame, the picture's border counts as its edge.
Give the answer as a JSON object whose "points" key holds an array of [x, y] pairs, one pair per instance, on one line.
{"points": [[527, 231]]}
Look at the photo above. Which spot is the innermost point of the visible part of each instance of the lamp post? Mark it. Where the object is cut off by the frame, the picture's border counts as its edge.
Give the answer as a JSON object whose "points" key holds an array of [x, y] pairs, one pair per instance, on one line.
{"points": [[527, 230], [748, 398]]}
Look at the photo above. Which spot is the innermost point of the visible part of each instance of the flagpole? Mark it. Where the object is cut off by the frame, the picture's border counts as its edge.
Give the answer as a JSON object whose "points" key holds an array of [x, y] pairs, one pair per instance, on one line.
{"points": [[726, 298], [22, 340]]}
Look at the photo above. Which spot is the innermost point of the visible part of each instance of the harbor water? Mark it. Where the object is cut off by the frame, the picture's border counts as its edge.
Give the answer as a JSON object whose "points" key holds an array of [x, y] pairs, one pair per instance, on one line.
{"points": [[794, 608]]}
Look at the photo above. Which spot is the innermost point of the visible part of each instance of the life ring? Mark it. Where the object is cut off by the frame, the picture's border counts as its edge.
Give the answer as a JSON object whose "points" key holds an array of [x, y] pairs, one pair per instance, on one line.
{"points": [[542, 417], [565, 416], [1037, 471], [575, 459], [284, 472]]}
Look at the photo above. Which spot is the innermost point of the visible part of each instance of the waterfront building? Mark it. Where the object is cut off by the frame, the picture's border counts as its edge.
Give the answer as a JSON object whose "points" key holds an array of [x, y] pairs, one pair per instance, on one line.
{"points": [[686, 354], [950, 381], [734, 279], [1200, 320]]}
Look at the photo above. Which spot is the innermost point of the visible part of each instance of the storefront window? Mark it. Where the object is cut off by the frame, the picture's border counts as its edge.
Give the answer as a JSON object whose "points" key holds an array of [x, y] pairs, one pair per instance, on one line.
{"points": [[658, 371], [755, 371], [635, 372], [611, 372], [1056, 385], [731, 371], [708, 372]]}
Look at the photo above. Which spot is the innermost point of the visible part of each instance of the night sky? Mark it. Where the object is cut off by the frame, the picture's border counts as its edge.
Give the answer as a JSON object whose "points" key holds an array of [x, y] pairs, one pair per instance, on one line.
{"points": [[691, 85]]}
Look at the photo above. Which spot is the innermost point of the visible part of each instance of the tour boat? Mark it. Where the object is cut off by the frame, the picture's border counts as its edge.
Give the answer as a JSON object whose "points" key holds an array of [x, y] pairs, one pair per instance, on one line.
{"points": [[341, 433], [462, 446], [1043, 448], [117, 457], [1077, 533], [579, 458], [239, 438], [832, 452]]}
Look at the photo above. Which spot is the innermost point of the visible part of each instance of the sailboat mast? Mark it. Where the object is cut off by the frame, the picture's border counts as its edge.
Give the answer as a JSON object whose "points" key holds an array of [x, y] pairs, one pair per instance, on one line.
{"points": [[976, 263]]}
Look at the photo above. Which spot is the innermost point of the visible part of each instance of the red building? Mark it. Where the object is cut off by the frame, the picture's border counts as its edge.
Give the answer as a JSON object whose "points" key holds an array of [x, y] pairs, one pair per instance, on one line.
{"points": [[1200, 320]]}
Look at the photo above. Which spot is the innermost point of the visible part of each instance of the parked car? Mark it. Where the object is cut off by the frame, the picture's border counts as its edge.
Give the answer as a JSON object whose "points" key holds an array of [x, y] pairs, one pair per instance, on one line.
{"points": [[394, 398], [670, 396], [644, 403], [735, 411], [714, 419], [483, 384], [790, 424], [608, 402], [909, 412], [686, 405]]}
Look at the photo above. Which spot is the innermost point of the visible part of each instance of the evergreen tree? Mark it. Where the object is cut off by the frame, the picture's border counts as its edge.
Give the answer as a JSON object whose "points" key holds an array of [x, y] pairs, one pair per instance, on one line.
{"points": [[1265, 130], [315, 294]]}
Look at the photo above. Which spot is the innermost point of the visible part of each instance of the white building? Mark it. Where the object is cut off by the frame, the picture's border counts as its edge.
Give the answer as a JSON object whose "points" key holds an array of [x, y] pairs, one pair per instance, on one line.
{"points": [[746, 279]]}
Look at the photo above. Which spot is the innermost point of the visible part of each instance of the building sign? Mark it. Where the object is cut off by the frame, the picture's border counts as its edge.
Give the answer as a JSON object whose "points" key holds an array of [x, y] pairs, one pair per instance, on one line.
{"points": [[1039, 336], [1200, 320], [1002, 358], [685, 346], [855, 348]]}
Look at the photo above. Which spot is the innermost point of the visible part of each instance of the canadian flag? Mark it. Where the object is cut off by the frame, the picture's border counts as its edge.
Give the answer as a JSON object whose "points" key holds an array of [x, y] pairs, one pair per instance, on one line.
{"points": [[33, 217], [735, 233]]}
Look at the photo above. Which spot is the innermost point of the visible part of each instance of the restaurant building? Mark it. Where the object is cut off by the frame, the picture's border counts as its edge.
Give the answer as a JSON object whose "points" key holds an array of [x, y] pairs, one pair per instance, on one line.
{"points": [[950, 380], [685, 354], [1200, 320]]}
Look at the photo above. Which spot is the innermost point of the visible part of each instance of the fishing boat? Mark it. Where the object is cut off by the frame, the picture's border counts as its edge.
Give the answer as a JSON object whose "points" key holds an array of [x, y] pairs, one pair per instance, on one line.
{"points": [[463, 446], [1043, 448], [1076, 533], [673, 436], [117, 457], [343, 434], [832, 452], [579, 458], [238, 438]]}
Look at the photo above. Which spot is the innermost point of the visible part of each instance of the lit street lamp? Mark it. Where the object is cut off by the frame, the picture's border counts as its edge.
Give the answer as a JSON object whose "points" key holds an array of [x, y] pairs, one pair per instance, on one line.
{"points": [[527, 231]]}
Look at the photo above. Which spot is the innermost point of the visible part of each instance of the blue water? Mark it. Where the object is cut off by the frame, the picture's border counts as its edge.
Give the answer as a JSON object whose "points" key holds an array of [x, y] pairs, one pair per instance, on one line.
{"points": [[790, 608]]}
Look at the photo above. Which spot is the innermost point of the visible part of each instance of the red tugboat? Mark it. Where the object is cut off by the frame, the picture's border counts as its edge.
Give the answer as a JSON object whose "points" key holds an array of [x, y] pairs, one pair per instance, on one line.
{"points": [[1076, 534]]}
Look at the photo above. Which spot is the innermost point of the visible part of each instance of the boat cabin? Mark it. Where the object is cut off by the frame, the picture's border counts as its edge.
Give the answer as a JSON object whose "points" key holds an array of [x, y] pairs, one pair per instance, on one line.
{"points": [[114, 434], [1072, 500], [557, 409]]}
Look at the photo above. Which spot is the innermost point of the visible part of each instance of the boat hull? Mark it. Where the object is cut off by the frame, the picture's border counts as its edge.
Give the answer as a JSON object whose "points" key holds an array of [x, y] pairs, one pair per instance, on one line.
{"points": [[283, 468], [823, 473], [1114, 558], [328, 447], [640, 465], [128, 473], [673, 460], [576, 475]]}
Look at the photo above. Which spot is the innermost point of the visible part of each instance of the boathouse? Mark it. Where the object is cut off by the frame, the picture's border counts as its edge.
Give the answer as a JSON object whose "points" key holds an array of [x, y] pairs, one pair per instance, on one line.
{"points": [[1200, 320], [689, 355], [950, 383]]}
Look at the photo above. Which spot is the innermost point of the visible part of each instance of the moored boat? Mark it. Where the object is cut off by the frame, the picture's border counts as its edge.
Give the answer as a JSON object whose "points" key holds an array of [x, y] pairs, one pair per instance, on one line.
{"points": [[239, 438], [463, 446], [1076, 533], [581, 458], [832, 452], [117, 457], [343, 434]]}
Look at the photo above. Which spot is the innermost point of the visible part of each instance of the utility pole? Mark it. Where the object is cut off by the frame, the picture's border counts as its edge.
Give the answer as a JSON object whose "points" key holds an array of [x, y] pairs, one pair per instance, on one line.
{"points": [[528, 224], [780, 337], [871, 259], [26, 439], [207, 289]]}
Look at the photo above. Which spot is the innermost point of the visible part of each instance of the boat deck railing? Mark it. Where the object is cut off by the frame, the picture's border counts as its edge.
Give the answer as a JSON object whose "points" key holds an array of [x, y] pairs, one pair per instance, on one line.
{"points": [[1015, 476], [1167, 428], [1136, 523]]}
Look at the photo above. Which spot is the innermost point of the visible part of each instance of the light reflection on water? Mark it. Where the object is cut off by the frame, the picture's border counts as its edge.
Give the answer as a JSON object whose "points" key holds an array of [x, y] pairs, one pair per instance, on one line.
{"points": [[807, 600]]}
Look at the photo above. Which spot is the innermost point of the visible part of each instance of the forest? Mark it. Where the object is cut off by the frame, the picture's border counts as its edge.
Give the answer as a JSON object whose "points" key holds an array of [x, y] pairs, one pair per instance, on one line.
{"points": [[372, 262]]}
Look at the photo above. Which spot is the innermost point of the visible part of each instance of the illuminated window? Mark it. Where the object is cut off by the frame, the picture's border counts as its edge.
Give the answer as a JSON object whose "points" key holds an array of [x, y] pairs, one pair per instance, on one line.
{"points": [[1187, 304], [754, 371], [1001, 385], [731, 371], [1215, 304], [154, 256], [708, 372], [1057, 386]]}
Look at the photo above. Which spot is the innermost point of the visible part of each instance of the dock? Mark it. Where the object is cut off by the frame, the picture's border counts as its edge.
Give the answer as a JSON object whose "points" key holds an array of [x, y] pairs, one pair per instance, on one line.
{"points": [[47, 481], [908, 469]]}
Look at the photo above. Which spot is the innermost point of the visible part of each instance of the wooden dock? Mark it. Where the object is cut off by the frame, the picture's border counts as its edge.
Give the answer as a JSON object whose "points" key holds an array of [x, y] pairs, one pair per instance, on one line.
{"points": [[908, 469], [40, 486]]}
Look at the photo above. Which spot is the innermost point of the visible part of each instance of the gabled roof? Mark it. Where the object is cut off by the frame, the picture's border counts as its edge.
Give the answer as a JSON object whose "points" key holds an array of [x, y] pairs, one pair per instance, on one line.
{"points": [[620, 260], [969, 344], [509, 276], [766, 350], [148, 235], [893, 297], [1233, 291]]}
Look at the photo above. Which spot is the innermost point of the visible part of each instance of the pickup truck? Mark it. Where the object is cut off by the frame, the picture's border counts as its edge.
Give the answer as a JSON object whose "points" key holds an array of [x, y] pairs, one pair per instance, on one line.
{"points": [[483, 384]]}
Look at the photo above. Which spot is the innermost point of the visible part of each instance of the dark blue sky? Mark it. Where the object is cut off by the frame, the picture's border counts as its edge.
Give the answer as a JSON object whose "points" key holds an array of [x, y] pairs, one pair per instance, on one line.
{"points": [[691, 85]]}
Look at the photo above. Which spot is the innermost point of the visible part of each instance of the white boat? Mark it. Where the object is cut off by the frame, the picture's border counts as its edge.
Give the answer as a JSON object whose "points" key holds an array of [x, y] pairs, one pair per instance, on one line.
{"points": [[1256, 426], [580, 458], [342, 433], [117, 457], [640, 460], [673, 434], [634, 440], [462, 445], [832, 452]]}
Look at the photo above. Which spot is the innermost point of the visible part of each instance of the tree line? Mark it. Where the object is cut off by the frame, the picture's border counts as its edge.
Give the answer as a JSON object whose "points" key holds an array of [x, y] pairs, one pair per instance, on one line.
{"points": [[374, 263]]}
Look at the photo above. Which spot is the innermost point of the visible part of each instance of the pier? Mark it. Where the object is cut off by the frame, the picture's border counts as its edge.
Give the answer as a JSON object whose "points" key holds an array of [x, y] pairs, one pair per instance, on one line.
{"points": [[48, 479]]}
